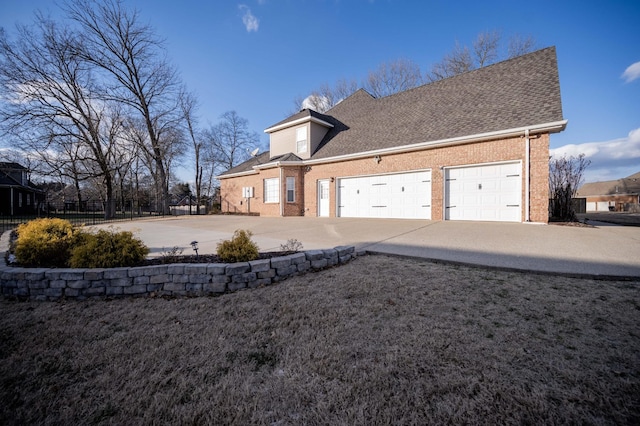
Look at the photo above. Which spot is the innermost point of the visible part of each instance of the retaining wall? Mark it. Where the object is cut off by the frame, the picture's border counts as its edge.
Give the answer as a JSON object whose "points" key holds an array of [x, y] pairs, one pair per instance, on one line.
{"points": [[183, 279]]}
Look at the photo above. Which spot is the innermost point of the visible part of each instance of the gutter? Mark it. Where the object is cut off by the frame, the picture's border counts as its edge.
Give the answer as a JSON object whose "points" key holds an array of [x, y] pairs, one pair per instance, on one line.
{"points": [[261, 167], [298, 121], [552, 127]]}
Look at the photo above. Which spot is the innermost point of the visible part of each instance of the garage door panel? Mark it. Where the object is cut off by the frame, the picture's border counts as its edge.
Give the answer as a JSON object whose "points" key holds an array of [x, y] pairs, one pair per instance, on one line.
{"points": [[487, 192], [403, 195]]}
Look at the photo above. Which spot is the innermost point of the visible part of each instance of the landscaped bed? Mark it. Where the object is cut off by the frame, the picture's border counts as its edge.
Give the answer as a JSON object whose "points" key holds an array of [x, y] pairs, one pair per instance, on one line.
{"points": [[380, 340]]}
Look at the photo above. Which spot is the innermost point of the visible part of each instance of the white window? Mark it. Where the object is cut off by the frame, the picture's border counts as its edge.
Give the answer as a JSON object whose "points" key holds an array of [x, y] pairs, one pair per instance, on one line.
{"points": [[28, 199], [291, 190], [301, 139], [272, 190]]}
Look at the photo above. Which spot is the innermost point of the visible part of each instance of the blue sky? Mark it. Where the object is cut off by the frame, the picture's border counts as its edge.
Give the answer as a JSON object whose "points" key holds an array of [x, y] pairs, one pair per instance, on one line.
{"points": [[257, 56]]}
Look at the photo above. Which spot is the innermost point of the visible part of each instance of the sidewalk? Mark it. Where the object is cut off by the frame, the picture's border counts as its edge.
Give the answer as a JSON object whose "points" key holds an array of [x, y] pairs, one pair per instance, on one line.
{"points": [[603, 250]]}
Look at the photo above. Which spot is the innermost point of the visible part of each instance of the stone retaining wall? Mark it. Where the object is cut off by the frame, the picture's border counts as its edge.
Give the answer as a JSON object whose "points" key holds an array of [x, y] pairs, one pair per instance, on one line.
{"points": [[184, 279]]}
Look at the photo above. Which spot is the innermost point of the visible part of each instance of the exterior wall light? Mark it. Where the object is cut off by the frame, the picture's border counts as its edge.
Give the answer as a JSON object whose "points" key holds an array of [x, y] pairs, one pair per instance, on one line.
{"points": [[377, 159]]}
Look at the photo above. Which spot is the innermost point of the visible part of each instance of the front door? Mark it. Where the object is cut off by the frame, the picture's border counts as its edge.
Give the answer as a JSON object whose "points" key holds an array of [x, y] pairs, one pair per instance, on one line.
{"points": [[323, 198]]}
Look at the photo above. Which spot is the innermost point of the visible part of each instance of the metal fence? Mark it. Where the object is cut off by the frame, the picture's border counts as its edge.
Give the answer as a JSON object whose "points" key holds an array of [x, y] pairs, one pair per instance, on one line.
{"points": [[91, 213]]}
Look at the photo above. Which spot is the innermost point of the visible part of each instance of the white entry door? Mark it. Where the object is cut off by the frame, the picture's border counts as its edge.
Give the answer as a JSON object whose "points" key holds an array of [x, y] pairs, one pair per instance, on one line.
{"points": [[397, 196], [323, 198], [491, 192]]}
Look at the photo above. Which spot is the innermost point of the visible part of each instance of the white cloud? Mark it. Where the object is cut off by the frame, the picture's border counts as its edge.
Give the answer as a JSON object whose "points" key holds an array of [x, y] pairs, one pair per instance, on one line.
{"points": [[251, 23], [632, 72], [610, 160]]}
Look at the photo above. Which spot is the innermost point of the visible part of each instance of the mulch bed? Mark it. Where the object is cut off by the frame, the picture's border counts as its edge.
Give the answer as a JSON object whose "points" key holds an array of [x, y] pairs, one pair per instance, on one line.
{"points": [[205, 258]]}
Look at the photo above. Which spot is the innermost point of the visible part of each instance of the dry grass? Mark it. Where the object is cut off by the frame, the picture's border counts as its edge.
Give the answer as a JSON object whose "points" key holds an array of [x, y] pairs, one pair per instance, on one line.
{"points": [[378, 341]]}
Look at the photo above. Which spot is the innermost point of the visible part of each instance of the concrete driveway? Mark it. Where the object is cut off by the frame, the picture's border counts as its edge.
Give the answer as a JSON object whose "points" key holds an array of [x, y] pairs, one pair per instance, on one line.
{"points": [[603, 250]]}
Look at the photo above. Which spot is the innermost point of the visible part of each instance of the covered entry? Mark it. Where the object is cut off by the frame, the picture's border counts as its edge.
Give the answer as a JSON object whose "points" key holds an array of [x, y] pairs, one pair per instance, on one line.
{"points": [[491, 192], [398, 196]]}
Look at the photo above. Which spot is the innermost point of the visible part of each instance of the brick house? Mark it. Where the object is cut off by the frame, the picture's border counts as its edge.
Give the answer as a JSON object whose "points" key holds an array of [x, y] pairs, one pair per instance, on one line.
{"points": [[18, 195], [617, 195], [470, 147]]}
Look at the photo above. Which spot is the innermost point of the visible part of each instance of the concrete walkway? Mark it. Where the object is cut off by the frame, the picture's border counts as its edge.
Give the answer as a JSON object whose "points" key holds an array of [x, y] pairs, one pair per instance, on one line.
{"points": [[604, 250]]}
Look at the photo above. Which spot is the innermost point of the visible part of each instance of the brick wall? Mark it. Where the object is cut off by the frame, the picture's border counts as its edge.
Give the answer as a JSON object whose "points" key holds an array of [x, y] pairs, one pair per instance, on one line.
{"points": [[510, 149], [295, 208]]}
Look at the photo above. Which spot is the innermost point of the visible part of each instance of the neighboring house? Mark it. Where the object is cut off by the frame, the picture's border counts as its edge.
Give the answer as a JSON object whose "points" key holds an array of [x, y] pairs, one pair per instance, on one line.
{"points": [[470, 147], [617, 195], [18, 196]]}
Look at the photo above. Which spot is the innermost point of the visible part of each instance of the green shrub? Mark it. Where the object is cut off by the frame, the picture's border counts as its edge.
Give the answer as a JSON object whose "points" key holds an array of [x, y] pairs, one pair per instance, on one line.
{"points": [[107, 249], [239, 249], [45, 242]]}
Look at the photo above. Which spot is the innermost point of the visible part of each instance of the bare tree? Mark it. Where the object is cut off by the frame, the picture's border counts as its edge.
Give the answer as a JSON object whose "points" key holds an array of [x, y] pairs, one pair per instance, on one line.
{"points": [[343, 89], [486, 50], [54, 103], [565, 177], [389, 78], [188, 105], [326, 97], [231, 140], [456, 62], [133, 63], [403, 74], [520, 45], [393, 77]]}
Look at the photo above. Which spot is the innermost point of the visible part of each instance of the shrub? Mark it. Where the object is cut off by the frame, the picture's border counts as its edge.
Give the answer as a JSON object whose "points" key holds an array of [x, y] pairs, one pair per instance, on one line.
{"points": [[171, 255], [291, 245], [45, 242], [239, 249], [108, 249]]}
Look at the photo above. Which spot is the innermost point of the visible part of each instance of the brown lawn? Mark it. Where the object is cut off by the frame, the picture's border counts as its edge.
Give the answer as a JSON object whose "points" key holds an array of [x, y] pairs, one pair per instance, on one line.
{"points": [[381, 340]]}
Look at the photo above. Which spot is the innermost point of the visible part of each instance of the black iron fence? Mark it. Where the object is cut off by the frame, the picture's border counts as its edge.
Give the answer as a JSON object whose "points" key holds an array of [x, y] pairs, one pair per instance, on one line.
{"points": [[90, 213]]}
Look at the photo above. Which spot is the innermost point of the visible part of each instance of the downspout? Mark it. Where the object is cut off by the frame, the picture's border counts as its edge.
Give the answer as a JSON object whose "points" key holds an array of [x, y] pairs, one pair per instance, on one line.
{"points": [[527, 167], [12, 201], [280, 201]]}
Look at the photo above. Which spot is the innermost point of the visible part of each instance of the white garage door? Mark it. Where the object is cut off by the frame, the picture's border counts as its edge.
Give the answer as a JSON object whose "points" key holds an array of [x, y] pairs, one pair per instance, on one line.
{"points": [[489, 192], [398, 196]]}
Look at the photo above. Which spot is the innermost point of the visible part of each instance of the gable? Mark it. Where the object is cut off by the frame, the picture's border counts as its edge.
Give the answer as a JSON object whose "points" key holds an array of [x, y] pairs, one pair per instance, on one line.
{"points": [[301, 134]]}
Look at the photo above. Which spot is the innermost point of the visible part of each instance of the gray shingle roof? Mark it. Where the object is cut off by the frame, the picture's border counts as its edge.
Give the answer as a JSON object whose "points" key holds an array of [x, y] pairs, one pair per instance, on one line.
{"points": [[261, 159], [519, 92], [248, 165], [305, 113], [628, 185]]}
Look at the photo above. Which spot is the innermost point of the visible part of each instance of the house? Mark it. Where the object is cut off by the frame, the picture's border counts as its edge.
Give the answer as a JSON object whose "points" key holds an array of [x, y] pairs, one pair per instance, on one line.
{"points": [[18, 196], [470, 147], [617, 195]]}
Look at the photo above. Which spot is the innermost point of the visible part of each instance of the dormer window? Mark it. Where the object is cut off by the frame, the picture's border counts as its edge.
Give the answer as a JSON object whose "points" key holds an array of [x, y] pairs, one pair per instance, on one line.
{"points": [[301, 140]]}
